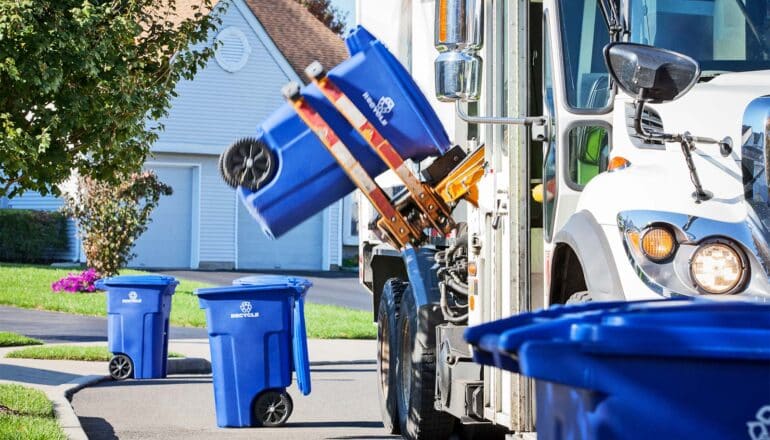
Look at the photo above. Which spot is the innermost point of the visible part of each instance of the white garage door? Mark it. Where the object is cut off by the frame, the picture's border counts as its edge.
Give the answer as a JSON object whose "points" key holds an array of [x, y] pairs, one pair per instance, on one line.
{"points": [[299, 249], [167, 241]]}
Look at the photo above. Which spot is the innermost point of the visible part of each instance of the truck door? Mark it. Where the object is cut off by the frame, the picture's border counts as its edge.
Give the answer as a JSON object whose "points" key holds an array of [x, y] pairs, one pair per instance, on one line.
{"points": [[577, 97]]}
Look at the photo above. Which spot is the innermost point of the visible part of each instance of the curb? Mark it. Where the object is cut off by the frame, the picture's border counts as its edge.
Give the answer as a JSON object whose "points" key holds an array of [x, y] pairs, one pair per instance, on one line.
{"points": [[65, 414], [61, 396]]}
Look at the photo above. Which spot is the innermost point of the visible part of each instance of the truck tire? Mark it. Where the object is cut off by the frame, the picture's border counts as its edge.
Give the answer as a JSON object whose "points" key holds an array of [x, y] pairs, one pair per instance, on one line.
{"points": [[416, 374], [387, 350]]}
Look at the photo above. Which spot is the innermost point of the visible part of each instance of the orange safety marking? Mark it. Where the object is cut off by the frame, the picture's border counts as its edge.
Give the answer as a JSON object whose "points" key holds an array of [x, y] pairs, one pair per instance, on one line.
{"points": [[422, 195], [392, 220]]}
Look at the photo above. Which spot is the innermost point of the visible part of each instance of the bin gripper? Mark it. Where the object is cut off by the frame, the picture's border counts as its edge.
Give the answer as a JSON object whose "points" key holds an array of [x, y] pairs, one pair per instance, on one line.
{"points": [[434, 211], [400, 232]]}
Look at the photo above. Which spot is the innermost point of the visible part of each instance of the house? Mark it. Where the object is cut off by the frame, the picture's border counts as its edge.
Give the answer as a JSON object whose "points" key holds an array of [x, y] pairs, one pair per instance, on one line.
{"points": [[265, 44]]}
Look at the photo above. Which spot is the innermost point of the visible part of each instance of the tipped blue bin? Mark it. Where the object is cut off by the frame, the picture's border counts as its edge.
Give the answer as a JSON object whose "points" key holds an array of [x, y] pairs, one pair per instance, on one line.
{"points": [[257, 337], [657, 369], [138, 309], [308, 178]]}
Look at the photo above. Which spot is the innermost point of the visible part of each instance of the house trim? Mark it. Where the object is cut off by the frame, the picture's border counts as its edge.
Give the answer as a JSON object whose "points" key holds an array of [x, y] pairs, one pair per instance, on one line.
{"points": [[195, 222]]}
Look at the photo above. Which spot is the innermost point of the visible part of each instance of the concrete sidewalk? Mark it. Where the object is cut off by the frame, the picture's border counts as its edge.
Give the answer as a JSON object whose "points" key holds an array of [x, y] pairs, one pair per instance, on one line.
{"points": [[343, 403]]}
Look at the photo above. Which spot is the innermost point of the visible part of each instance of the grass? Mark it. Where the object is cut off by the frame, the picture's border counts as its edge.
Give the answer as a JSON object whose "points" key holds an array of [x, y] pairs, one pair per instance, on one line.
{"points": [[29, 287], [26, 413], [69, 353], [10, 339]]}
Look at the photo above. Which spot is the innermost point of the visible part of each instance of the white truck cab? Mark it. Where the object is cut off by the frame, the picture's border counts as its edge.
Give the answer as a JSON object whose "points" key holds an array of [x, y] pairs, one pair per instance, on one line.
{"points": [[646, 162]]}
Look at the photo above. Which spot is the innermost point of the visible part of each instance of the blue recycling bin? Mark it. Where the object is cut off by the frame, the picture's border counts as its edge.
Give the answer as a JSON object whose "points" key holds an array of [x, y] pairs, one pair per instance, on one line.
{"points": [[672, 369], [257, 337], [308, 178], [138, 310]]}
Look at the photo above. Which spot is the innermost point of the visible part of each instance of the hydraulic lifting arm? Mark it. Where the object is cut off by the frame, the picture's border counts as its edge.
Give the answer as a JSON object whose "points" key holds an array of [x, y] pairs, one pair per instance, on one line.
{"points": [[401, 223]]}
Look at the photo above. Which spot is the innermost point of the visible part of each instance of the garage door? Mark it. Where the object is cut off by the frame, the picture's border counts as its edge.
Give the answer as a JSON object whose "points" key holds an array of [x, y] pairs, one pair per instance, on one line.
{"points": [[299, 249], [167, 241]]}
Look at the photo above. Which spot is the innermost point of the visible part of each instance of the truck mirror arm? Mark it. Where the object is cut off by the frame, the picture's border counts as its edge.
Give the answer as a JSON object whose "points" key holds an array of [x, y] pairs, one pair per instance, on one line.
{"points": [[527, 120]]}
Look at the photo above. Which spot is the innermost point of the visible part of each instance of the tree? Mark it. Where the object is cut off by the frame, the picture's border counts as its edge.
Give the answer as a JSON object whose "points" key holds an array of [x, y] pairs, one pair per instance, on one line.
{"points": [[329, 15], [84, 83], [111, 217]]}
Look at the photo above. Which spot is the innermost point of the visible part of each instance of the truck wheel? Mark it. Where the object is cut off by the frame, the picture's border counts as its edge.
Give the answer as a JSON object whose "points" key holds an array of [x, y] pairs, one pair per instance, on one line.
{"points": [[416, 375], [387, 337]]}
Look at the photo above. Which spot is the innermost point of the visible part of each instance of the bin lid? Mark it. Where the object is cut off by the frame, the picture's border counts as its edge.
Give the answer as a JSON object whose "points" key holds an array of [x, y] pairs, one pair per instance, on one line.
{"points": [[698, 328], [136, 280], [261, 283]]}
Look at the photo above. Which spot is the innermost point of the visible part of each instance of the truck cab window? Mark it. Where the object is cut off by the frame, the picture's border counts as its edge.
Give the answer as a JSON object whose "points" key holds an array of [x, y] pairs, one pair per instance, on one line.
{"points": [[589, 150], [584, 35]]}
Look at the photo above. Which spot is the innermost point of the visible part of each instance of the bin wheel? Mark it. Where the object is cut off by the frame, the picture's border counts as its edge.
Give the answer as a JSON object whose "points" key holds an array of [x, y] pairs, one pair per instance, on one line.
{"points": [[121, 367], [248, 163], [273, 408]]}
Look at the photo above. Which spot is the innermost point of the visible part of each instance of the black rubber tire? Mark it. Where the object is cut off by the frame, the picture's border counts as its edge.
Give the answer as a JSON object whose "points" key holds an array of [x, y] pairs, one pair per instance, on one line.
{"points": [[248, 162], [121, 367], [416, 375], [387, 343], [272, 408]]}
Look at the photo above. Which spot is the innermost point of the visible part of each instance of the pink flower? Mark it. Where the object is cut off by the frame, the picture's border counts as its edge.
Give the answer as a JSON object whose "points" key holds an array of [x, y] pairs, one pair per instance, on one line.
{"points": [[74, 283]]}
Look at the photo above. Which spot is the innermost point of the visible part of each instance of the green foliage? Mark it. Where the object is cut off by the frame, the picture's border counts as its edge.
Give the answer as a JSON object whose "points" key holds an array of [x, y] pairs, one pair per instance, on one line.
{"points": [[111, 217], [90, 353], [80, 78], [28, 236], [26, 413], [329, 15], [10, 339]]}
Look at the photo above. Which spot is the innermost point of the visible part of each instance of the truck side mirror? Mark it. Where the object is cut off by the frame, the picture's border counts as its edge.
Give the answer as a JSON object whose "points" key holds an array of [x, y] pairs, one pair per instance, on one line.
{"points": [[651, 74], [458, 37]]}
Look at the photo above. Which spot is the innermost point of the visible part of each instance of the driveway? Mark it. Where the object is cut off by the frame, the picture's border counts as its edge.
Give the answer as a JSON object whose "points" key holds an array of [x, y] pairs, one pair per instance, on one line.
{"points": [[342, 405], [335, 288]]}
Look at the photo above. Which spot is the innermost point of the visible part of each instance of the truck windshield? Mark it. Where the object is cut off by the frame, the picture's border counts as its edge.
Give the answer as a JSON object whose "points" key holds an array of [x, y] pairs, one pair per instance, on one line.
{"points": [[722, 35]]}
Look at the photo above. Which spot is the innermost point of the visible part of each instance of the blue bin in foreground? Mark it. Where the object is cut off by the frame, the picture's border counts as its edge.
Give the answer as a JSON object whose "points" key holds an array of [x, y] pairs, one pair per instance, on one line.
{"points": [[138, 309], [308, 178], [257, 337], [673, 369]]}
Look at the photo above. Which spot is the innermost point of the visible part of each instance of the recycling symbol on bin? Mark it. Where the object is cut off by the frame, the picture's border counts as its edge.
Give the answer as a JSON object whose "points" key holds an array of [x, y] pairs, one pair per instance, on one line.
{"points": [[132, 295], [246, 307]]}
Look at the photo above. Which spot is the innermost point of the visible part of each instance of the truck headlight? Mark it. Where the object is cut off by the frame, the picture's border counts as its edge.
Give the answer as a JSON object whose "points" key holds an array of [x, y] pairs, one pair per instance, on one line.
{"points": [[718, 268]]}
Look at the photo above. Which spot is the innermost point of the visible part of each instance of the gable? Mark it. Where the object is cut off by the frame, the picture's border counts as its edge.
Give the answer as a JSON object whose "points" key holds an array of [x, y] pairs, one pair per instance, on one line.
{"points": [[229, 97]]}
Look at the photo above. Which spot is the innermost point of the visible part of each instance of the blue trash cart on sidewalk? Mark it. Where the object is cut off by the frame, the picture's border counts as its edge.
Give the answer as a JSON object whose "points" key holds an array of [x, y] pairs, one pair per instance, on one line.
{"points": [[675, 369], [257, 337], [138, 310]]}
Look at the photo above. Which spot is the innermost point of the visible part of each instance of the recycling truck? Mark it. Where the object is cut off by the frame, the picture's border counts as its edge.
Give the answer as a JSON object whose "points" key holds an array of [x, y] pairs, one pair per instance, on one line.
{"points": [[598, 150]]}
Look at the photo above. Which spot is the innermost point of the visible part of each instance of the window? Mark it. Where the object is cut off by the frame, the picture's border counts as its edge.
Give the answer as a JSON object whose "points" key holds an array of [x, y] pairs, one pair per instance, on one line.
{"points": [[549, 163], [584, 36], [722, 35], [589, 151]]}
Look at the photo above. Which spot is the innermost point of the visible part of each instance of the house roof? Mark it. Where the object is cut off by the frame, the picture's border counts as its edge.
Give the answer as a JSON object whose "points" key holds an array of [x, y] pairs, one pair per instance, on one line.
{"points": [[299, 36]]}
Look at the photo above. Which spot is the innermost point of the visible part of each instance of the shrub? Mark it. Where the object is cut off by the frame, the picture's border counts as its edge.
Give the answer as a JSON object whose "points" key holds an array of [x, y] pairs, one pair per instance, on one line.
{"points": [[28, 236], [111, 217], [74, 283]]}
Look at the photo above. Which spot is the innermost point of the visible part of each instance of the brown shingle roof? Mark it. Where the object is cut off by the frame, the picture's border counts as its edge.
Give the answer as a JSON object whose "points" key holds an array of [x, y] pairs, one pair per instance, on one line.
{"points": [[299, 36]]}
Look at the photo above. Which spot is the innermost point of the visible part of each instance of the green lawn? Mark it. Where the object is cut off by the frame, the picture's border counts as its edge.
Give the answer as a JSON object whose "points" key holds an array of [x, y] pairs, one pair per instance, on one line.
{"points": [[29, 286], [69, 353], [27, 414], [10, 339]]}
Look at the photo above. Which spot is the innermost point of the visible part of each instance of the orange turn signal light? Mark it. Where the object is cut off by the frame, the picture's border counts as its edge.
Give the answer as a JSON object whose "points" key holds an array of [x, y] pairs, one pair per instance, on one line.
{"points": [[618, 163], [472, 269]]}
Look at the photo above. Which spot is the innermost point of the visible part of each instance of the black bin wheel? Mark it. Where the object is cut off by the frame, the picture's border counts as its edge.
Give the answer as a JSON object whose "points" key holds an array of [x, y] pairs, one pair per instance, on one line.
{"points": [[121, 367], [273, 408], [248, 163]]}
